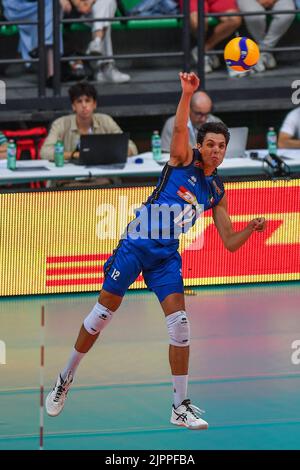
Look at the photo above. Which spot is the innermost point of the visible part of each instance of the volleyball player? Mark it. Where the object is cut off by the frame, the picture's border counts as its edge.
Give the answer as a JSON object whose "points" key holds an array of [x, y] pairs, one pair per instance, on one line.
{"points": [[188, 185]]}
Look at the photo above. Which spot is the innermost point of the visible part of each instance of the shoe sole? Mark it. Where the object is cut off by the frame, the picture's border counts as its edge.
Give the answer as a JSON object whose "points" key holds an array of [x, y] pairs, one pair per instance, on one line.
{"points": [[202, 427]]}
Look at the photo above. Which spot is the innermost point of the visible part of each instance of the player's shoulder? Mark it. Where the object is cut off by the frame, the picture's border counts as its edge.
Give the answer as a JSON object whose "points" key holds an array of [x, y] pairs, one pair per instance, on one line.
{"points": [[219, 188], [220, 184], [218, 178]]}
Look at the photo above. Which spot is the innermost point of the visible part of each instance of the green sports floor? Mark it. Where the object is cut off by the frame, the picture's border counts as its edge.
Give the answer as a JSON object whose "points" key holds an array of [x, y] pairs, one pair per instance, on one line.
{"points": [[241, 372]]}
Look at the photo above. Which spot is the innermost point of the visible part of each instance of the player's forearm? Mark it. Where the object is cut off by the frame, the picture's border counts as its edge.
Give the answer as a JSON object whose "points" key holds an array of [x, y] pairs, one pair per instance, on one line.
{"points": [[237, 239], [183, 112]]}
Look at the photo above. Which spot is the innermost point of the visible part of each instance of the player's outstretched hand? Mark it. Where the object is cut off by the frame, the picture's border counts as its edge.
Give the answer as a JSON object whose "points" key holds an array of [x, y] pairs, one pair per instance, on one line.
{"points": [[258, 225], [189, 82]]}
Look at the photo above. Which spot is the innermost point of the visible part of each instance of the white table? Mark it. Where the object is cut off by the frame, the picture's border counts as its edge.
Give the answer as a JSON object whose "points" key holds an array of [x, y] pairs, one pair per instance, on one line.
{"points": [[39, 170]]}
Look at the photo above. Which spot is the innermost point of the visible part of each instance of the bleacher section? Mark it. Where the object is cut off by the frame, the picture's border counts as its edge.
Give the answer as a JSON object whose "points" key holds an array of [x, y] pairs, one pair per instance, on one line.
{"points": [[154, 87]]}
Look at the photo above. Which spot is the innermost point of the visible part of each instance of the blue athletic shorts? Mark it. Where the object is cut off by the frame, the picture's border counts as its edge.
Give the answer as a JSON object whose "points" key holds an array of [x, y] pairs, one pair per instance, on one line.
{"points": [[160, 266]]}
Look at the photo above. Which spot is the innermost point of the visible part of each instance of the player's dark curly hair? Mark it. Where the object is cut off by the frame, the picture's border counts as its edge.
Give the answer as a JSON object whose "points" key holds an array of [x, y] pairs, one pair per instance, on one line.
{"points": [[216, 128], [82, 89]]}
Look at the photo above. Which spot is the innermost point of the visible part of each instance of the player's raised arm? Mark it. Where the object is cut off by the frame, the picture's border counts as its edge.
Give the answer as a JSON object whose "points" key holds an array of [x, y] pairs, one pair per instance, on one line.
{"points": [[181, 151]]}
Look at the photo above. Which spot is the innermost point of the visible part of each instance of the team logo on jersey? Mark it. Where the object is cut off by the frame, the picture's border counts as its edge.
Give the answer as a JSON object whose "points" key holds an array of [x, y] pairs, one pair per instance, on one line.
{"points": [[192, 180], [187, 195]]}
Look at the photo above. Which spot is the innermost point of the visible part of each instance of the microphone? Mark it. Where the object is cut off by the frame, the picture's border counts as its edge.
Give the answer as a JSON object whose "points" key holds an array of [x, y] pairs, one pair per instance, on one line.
{"points": [[273, 161], [277, 164]]}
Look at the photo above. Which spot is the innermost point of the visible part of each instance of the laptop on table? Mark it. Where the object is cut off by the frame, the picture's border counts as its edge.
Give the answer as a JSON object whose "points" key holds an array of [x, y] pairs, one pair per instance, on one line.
{"points": [[237, 143], [104, 150]]}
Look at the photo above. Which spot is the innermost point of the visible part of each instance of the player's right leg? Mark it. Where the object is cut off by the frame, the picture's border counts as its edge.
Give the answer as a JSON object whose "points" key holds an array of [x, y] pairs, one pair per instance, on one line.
{"points": [[120, 270]]}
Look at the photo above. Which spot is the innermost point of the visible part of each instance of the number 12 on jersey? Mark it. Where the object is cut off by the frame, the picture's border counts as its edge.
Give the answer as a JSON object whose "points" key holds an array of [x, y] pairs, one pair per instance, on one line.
{"points": [[115, 274]]}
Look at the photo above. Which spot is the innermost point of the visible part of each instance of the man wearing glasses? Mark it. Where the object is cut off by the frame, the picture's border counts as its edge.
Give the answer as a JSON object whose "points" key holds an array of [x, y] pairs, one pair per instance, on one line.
{"points": [[200, 113]]}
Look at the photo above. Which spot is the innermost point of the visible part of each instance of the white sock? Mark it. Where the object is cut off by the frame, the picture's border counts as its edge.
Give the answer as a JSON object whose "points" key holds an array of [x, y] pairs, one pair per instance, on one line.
{"points": [[73, 363], [180, 383]]}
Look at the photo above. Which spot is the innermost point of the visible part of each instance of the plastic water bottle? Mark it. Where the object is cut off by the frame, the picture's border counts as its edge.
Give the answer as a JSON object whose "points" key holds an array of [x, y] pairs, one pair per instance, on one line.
{"points": [[59, 153], [11, 155], [156, 146], [272, 141]]}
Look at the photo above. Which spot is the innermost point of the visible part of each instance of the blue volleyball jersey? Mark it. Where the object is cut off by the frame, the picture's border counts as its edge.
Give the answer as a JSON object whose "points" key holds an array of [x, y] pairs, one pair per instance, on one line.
{"points": [[184, 189], [150, 242]]}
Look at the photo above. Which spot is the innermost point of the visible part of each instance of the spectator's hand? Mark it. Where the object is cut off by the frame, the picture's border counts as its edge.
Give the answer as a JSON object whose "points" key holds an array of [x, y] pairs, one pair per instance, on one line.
{"points": [[66, 6], [69, 155], [267, 3], [258, 225], [83, 6], [189, 82]]}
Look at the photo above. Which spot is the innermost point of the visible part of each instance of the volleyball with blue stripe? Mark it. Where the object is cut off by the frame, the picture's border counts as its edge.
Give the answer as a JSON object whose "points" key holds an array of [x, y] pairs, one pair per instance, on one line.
{"points": [[241, 54]]}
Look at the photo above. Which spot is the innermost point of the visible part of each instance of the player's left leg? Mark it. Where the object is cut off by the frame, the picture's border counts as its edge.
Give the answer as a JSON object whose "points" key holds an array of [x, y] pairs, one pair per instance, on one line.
{"points": [[183, 412], [166, 281]]}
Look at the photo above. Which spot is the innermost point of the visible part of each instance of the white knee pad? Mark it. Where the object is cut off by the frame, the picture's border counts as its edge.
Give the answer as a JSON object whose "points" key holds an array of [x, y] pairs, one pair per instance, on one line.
{"points": [[98, 319], [178, 328]]}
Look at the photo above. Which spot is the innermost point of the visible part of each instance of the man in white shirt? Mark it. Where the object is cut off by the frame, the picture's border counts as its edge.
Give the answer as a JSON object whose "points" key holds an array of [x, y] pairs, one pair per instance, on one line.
{"points": [[200, 113], [289, 134]]}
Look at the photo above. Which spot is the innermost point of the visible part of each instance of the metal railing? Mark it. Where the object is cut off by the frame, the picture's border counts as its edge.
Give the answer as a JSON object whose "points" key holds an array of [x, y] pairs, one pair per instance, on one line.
{"points": [[184, 53], [201, 37], [40, 23]]}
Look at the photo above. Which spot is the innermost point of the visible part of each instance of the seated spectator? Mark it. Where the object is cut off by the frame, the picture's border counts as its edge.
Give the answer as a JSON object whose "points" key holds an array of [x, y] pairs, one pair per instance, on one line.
{"points": [[69, 128], [18, 10], [289, 134], [267, 35], [225, 28], [200, 112], [106, 70], [3, 145]]}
